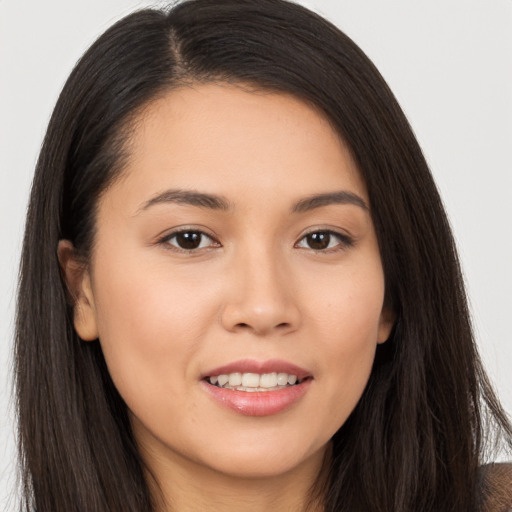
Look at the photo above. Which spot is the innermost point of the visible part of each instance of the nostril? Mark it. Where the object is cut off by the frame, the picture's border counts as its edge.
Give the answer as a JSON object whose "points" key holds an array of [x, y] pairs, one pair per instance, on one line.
{"points": [[280, 327]]}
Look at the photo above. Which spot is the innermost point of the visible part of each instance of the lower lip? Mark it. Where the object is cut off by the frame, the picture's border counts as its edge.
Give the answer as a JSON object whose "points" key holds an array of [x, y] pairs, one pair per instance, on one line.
{"points": [[258, 403]]}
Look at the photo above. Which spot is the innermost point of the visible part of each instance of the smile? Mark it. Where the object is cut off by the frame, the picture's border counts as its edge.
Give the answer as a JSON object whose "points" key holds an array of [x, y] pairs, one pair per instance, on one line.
{"points": [[253, 382], [254, 388]]}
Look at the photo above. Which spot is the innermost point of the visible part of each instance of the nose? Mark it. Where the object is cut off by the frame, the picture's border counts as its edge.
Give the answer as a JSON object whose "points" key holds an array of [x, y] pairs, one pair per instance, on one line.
{"points": [[261, 298]]}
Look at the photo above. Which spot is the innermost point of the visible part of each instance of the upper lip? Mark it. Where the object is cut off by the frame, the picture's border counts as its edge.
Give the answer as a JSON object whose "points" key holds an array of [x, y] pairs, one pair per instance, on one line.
{"points": [[261, 367]]}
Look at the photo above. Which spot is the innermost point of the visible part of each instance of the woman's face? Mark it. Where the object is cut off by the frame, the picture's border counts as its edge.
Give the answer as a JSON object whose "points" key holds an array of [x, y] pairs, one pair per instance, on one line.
{"points": [[237, 245]]}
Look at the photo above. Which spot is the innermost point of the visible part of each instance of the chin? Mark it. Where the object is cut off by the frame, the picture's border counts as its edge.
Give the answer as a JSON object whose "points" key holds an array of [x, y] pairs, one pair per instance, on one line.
{"points": [[262, 460]]}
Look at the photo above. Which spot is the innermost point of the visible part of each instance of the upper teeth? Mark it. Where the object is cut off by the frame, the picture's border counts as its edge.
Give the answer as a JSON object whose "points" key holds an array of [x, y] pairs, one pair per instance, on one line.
{"points": [[253, 380]]}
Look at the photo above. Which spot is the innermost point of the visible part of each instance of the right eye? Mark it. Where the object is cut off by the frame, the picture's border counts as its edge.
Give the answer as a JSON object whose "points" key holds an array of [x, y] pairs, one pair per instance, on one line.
{"points": [[189, 240]]}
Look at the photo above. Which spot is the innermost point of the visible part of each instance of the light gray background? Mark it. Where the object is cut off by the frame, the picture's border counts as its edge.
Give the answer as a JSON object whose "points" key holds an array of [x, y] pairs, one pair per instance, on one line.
{"points": [[449, 63]]}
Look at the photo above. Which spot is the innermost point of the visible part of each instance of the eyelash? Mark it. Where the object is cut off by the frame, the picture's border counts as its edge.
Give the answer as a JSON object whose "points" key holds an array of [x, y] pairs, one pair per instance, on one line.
{"points": [[344, 241]]}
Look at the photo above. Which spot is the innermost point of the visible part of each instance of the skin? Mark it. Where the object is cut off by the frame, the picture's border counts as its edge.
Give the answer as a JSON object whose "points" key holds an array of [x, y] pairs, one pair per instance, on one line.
{"points": [[254, 289]]}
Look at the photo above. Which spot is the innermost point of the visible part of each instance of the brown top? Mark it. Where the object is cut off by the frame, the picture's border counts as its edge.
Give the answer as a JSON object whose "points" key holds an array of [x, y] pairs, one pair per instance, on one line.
{"points": [[496, 485]]}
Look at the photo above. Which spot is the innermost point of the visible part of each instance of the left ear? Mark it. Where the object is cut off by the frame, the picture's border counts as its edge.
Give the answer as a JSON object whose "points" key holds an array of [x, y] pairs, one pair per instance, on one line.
{"points": [[386, 323]]}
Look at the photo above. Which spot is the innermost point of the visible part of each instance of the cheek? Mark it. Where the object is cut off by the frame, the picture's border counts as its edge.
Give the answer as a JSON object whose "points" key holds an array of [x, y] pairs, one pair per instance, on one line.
{"points": [[150, 324], [346, 324], [348, 306]]}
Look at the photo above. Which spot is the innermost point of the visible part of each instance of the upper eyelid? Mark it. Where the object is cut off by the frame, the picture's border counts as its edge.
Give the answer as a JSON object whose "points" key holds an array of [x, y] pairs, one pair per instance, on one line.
{"points": [[324, 230], [332, 231]]}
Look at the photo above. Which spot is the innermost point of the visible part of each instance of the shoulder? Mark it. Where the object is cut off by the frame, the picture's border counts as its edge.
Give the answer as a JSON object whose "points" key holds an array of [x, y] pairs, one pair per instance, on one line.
{"points": [[496, 487]]}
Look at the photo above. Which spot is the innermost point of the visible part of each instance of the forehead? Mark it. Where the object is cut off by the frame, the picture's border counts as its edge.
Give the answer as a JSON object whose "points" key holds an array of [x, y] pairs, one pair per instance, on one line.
{"points": [[223, 138]]}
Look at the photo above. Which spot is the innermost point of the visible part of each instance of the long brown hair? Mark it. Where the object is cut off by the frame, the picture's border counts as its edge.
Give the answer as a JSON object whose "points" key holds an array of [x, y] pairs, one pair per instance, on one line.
{"points": [[416, 438]]}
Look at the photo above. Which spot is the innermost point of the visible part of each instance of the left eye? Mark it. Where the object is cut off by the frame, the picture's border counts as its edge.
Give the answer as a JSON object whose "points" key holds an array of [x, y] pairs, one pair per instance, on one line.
{"points": [[190, 240], [322, 240]]}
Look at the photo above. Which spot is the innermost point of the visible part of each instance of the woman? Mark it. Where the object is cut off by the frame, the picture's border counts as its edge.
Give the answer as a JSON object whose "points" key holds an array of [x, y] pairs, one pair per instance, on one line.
{"points": [[245, 292]]}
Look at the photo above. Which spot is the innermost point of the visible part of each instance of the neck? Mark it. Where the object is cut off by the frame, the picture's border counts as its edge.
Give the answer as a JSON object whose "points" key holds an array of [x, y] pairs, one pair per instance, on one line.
{"points": [[180, 485]]}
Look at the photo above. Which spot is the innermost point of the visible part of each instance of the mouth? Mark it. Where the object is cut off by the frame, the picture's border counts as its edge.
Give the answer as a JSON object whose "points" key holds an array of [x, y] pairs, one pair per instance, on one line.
{"points": [[257, 388], [254, 382]]}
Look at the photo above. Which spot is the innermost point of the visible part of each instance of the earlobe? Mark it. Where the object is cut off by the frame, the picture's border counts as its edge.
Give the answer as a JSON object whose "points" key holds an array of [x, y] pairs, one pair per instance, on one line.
{"points": [[386, 323], [78, 283]]}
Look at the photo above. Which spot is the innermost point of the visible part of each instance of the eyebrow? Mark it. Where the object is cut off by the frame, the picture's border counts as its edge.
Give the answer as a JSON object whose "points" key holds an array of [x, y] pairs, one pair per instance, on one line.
{"points": [[216, 202], [319, 200], [189, 197]]}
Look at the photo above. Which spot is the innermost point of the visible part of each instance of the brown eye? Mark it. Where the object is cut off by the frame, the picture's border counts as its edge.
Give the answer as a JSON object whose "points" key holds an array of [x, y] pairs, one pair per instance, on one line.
{"points": [[190, 240], [319, 240], [324, 240]]}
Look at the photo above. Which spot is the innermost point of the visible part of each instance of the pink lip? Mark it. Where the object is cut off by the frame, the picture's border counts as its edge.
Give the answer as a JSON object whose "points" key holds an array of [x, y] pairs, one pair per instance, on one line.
{"points": [[252, 366], [258, 403]]}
